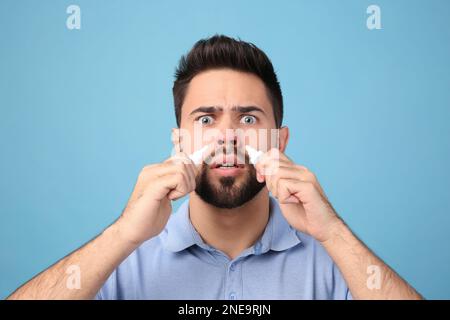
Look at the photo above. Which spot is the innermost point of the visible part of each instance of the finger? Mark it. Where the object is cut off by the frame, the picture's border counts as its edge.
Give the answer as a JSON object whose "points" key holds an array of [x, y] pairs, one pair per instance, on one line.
{"points": [[183, 158], [274, 154], [191, 172], [284, 172], [294, 172], [161, 170], [271, 161], [291, 199], [305, 192], [172, 186], [185, 171], [191, 168], [267, 168], [309, 176], [259, 177], [150, 173], [179, 157], [186, 164]]}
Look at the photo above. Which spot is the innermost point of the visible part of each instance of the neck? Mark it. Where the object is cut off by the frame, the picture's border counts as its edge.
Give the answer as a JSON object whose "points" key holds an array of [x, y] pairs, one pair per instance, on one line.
{"points": [[230, 230]]}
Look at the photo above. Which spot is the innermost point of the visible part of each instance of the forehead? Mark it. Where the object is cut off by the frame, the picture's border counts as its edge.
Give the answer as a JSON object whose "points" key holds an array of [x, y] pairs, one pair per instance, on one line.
{"points": [[226, 88]]}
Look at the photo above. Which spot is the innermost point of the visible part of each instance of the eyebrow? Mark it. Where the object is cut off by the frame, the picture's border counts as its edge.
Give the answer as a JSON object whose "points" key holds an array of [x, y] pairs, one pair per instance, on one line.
{"points": [[211, 109], [239, 109], [247, 109]]}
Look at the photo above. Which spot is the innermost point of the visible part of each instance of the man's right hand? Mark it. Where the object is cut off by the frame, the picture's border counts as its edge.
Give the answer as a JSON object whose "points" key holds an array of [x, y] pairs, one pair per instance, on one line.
{"points": [[144, 217], [149, 206]]}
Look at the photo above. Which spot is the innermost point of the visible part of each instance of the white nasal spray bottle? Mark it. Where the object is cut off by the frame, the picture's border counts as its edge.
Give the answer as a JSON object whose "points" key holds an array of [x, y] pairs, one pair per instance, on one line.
{"points": [[253, 154], [197, 156]]}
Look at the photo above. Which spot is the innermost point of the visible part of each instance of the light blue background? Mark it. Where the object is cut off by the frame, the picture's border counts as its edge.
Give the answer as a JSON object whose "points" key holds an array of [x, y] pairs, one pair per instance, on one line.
{"points": [[82, 111]]}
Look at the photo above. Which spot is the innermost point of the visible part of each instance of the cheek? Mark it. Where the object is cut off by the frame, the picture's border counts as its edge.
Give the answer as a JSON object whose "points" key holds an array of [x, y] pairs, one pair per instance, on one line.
{"points": [[250, 137], [272, 138], [196, 137], [262, 139], [185, 140]]}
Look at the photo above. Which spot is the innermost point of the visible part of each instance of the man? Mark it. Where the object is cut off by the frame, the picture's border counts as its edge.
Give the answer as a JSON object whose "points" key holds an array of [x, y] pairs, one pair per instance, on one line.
{"points": [[230, 239]]}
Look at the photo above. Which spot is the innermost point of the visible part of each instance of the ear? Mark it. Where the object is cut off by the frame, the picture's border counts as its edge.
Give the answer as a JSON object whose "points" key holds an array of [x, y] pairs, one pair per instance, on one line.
{"points": [[176, 139], [283, 138]]}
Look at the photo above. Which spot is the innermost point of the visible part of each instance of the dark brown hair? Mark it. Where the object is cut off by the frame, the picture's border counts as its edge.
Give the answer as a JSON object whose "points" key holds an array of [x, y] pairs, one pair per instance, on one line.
{"points": [[220, 52]]}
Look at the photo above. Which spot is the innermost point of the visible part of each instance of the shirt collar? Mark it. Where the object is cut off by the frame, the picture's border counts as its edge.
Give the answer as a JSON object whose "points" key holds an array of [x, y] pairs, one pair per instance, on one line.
{"points": [[179, 233]]}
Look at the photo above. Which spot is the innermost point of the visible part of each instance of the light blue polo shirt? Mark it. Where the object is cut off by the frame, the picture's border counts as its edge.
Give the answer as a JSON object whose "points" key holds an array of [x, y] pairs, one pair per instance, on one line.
{"points": [[177, 264]]}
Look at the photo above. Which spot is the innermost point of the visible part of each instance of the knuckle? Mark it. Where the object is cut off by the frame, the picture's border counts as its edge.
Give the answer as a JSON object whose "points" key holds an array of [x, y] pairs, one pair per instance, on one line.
{"points": [[311, 175], [145, 171], [147, 167], [303, 168]]}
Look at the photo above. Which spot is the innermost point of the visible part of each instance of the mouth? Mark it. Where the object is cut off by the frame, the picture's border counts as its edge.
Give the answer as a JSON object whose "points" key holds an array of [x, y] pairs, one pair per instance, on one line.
{"points": [[227, 168]]}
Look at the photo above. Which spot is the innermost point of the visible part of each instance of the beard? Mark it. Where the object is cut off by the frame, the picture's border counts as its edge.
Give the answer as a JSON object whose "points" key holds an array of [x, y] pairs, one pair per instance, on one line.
{"points": [[228, 193]]}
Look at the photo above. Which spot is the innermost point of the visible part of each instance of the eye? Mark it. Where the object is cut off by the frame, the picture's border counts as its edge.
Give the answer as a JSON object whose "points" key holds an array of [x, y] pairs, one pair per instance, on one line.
{"points": [[205, 120], [248, 120]]}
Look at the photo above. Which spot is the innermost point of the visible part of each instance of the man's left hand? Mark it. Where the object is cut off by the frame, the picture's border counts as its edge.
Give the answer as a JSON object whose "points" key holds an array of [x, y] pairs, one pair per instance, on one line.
{"points": [[302, 200]]}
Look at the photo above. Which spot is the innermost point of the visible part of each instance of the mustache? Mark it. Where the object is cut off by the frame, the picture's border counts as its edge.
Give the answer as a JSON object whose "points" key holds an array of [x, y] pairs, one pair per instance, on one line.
{"points": [[239, 152]]}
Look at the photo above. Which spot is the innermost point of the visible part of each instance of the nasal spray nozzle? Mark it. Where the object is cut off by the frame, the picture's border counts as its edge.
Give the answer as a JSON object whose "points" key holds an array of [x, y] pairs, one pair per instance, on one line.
{"points": [[253, 154], [197, 156]]}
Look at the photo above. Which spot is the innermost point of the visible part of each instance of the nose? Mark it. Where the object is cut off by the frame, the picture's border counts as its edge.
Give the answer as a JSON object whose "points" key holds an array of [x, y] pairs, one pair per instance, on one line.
{"points": [[226, 135], [227, 140]]}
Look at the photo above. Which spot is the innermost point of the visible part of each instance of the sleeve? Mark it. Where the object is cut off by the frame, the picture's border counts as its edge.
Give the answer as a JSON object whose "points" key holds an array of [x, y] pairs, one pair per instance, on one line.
{"points": [[341, 290], [98, 296], [349, 295], [109, 289]]}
